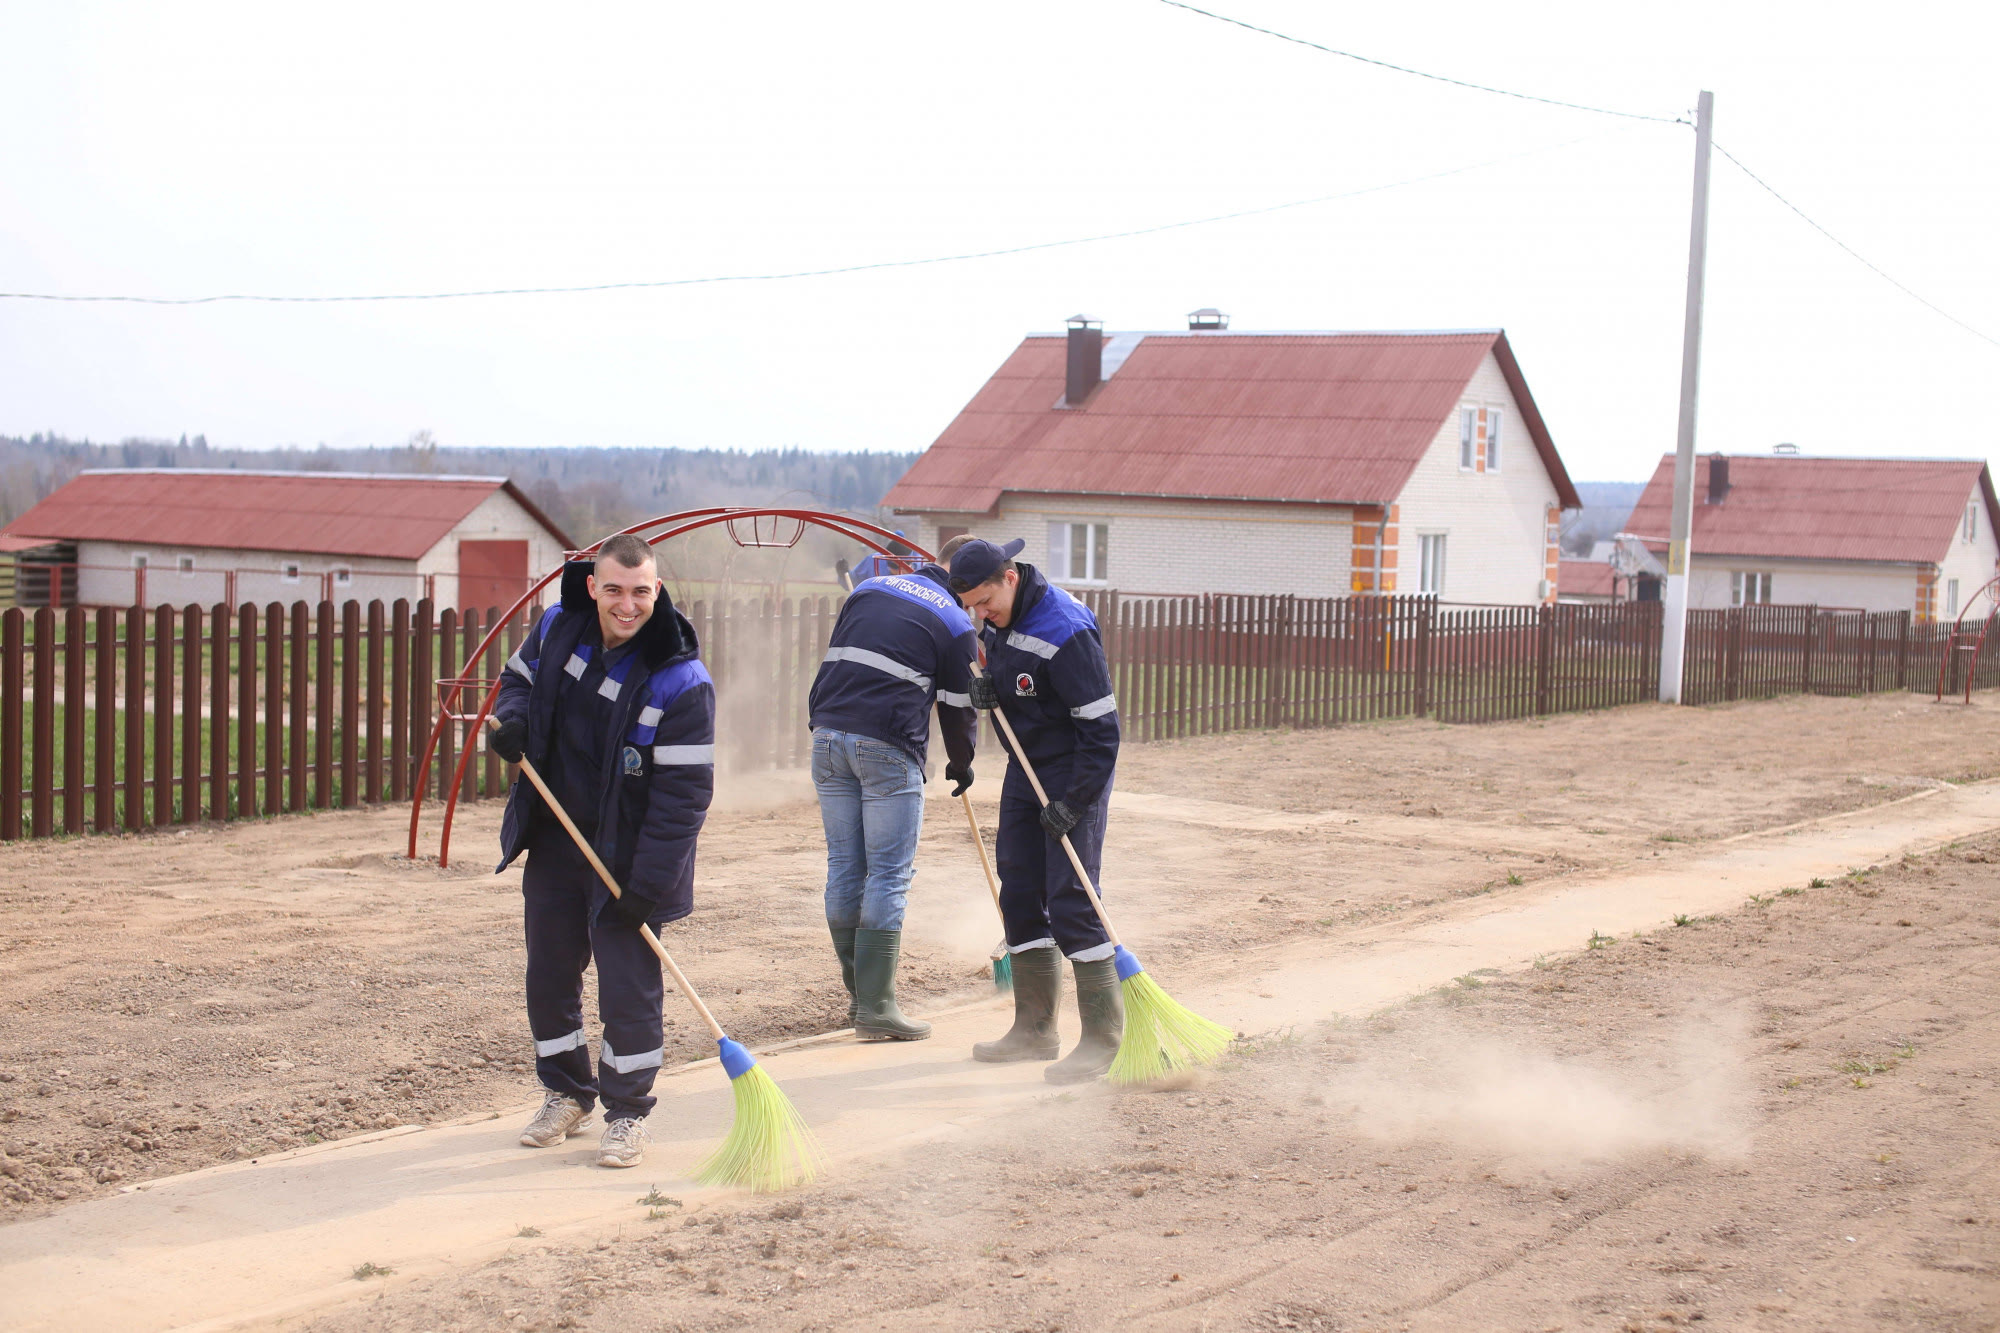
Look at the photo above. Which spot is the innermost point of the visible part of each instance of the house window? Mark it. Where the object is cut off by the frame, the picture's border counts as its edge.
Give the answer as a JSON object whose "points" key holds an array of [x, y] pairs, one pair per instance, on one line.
{"points": [[1971, 529], [343, 577], [185, 564], [1430, 571], [1750, 587], [1468, 439], [138, 560], [289, 571], [1078, 552], [1493, 440], [1951, 597]]}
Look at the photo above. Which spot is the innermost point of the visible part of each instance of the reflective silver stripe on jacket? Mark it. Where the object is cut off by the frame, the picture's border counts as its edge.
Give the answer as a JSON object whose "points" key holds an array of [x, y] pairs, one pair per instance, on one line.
{"points": [[650, 716], [608, 688], [683, 754], [863, 657], [955, 700], [1030, 644], [575, 665], [1096, 708], [557, 1045], [625, 1064], [519, 666]]}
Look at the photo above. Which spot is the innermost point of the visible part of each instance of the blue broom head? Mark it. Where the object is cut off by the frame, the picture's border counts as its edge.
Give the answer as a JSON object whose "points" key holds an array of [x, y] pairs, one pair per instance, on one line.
{"points": [[735, 1059], [1127, 961]]}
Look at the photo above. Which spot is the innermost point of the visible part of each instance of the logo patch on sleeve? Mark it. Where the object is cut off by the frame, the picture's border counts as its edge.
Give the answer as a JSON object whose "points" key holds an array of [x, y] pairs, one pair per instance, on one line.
{"points": [[634, 765], [1024, 684]]}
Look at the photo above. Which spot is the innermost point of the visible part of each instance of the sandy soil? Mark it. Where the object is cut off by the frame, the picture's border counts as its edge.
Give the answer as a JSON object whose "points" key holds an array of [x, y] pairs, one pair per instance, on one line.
{"points": [[179, 999]]}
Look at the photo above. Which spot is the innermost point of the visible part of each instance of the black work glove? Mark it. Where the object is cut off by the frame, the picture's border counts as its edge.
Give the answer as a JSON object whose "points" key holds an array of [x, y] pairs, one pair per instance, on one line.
{"points": [[632, 910], [1058, 818], [983, 692], [961, 774], [509, 740]]}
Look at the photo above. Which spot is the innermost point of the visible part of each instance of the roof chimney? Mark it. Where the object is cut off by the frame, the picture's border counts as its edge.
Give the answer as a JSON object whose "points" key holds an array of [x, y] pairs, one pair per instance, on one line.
{"points": [[1718, 478], [1207, 320], [1086, 359], [1785, 450]]}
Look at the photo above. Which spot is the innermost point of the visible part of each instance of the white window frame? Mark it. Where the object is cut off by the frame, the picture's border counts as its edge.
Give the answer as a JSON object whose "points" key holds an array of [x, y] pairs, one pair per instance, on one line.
{"points": [[1097, 551], [1749, 587], [1951, 599], [185, 565], [343, 576], [1493, 416], [1468, 439], [290, 571], [1970, 529], [1433, 556], [140, 559]]}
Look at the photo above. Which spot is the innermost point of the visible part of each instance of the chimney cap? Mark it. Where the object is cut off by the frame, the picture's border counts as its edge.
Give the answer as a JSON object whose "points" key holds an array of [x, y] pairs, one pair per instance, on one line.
{"points": [[1207, 318], [1785, 450], [1084, 322]]}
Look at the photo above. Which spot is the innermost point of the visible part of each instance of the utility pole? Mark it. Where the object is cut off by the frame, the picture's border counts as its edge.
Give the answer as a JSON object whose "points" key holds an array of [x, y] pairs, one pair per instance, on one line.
{"points": [[1673, 637]]}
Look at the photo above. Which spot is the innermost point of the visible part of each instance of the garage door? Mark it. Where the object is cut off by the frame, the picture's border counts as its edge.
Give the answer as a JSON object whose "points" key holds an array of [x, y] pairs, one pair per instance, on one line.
{"points": [[491, 575]]}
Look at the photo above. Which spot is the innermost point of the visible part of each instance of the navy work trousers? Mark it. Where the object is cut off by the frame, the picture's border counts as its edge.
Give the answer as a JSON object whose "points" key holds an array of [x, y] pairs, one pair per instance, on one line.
{"points": [[1041, 899], [562, 940]]}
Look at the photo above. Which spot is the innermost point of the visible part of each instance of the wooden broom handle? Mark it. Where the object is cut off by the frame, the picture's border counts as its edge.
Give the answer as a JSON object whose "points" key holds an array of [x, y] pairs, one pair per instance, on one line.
{"points": [[1090, 889], [583, 845], [972, 820]]}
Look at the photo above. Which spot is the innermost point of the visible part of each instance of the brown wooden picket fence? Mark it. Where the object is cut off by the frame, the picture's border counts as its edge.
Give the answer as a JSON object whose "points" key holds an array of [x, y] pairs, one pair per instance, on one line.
{"points": [[137, 718]]}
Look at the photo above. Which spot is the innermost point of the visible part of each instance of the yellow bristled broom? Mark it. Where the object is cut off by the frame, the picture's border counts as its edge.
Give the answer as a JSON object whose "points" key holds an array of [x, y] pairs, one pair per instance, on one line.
{"points": [[1003, 962], [770, 1146], [1161, 1034]]}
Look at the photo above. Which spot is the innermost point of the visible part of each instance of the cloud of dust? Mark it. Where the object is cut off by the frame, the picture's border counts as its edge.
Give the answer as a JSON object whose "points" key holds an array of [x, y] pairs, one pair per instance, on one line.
{"points": [[1504, 1098]]}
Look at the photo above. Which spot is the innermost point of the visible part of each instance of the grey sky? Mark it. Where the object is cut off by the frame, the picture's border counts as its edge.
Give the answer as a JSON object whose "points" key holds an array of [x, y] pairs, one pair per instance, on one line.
{"points": [[195, 148]]}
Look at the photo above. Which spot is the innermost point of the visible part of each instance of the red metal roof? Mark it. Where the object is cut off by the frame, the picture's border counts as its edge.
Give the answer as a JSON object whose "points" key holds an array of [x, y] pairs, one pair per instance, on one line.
{"points": [[1901, 510], [1585, 578], [1340, 418], [388, 515]]}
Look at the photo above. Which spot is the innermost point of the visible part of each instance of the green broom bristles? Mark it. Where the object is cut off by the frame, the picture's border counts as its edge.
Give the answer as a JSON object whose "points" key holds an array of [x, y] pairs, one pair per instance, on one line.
{"points": [[1003, 970], [770, 1146], [1161, 1034]]}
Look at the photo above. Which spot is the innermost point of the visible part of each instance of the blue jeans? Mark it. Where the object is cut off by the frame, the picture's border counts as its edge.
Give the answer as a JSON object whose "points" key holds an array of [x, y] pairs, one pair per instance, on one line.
{"points": [[871, 801]]}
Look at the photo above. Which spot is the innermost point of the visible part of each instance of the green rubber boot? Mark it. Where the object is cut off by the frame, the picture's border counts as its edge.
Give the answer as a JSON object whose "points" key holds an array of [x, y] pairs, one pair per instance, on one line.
{"points": [[1101, 1004], [876, 1016], [1037, 978], [843, 948]]}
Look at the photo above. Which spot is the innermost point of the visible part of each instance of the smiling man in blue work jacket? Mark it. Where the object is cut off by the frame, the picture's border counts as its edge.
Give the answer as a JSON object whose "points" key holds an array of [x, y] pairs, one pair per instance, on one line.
{"points": [[901, 644], [610, 702], [1045, 670]]}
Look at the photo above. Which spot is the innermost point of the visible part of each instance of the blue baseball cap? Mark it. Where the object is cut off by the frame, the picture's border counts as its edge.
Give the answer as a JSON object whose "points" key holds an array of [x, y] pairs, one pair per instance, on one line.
{"points": [[979, 560]]}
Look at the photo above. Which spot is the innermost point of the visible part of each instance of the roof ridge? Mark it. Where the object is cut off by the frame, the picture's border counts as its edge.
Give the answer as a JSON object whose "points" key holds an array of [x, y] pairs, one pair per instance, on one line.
{"points": [[285, 472]]}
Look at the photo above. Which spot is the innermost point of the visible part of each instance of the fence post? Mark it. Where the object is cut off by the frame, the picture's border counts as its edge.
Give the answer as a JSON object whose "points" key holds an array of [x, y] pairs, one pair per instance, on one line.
{"points": [[218, 713], [75, 706], [191, 682], [1903, 651], [1545, 647], [104, 671], [446, 759], [399, 701], [350, 704], [135, 720], [1426, 614], [323, 705], [274, 708], [13, 685], [295, 751], [1806, 657], [246, 709], [372, 761], [164, 698], [42, 801]]}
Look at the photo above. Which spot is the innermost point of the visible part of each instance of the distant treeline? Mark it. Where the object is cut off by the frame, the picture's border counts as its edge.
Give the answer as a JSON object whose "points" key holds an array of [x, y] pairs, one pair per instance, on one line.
{"points": [[588, 491]]}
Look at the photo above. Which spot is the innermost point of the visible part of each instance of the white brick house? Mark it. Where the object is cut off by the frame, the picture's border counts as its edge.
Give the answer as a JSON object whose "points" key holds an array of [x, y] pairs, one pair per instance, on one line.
{"points": [[1217, 461]]}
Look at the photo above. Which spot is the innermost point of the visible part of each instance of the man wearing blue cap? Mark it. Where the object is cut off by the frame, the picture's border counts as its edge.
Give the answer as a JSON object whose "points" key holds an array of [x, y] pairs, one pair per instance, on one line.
{"points": [[901, 643], [1045, 668]]}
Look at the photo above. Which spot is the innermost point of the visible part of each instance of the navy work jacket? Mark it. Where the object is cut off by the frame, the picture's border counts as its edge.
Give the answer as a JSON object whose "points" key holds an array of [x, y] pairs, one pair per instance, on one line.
{"points": [[901, 642], [658, 772], [1048, 666]]}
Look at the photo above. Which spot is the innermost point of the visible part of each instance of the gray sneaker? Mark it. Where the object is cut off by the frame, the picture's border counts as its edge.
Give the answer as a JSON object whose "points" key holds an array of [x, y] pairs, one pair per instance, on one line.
{"points": [[623, 1144], [560, 1117]]}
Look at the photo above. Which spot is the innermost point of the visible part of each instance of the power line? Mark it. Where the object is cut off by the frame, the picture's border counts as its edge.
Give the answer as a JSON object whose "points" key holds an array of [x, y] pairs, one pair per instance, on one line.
{"points": [[251, 297], [1423, 74], [1854, 254]]}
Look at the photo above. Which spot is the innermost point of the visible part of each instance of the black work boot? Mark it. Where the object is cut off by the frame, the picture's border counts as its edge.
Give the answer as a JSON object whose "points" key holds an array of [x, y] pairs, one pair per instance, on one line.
{"points": [[1101, 1005], [876, 1016], [1037, 978], [843, 948]]}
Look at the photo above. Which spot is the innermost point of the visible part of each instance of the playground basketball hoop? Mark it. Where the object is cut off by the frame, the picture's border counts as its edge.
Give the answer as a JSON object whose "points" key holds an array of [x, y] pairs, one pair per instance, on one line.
{"points": [[779, 530]]}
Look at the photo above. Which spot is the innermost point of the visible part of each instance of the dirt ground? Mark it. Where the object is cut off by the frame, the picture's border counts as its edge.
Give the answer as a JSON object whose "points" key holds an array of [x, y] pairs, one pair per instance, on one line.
{"points": [[1650, 1132]]}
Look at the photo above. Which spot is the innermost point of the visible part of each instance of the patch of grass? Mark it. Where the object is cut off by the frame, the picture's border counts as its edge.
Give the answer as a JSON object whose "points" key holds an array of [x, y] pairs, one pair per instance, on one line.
{"points": [[1863, 1065], [362, 1272], [1668, 837], [1598, 939], [657, 1214], [1860, 1082], [1468, 982], [1815, 883], [1542, 963], [1683, 919], [1792, 892], [654, 1199], [1791, 1083], [1906, 1052], [1514, 877], [1758, 900], [528, 1233]]}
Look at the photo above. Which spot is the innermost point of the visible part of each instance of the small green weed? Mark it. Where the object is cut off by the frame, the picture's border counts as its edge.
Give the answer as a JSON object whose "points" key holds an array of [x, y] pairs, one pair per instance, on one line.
{"points": [[1792, 892], [653, 1198], [528, 1233], [1468, 982], [1683, 919], [1542, 963], [362, 1272], [1758, 900], [1514, 877], [1598, 939], [1815, 883]]}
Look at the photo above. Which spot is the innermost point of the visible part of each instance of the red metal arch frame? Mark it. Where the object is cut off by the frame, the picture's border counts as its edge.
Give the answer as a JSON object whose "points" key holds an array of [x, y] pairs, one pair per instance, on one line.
{"points": [[871, 535], [1991, 588]]}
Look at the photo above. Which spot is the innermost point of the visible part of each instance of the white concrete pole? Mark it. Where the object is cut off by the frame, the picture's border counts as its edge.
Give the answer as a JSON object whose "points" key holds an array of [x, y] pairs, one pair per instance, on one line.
{"points": [[1673, 636]]}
